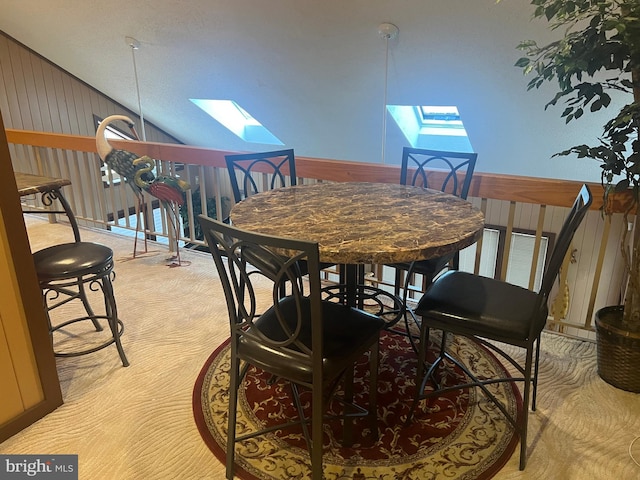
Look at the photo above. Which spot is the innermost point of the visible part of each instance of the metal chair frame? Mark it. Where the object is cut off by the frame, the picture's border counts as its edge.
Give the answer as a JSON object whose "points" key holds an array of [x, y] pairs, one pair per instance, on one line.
{"points": [[278, 165], [446, 307], [449, 172], [288, 338]]}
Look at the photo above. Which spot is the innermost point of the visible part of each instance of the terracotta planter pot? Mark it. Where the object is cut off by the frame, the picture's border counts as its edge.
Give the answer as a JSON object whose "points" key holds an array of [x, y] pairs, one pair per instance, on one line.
{"points": [[618, 350]]}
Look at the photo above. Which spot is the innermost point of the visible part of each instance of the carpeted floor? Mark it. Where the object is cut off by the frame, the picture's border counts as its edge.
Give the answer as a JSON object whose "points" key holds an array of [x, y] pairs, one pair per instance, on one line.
{"points": [[137, 422]]}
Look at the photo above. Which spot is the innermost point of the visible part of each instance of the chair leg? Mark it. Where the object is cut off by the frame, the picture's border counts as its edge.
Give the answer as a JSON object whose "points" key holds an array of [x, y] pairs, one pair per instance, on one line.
{"points": [[317, 409], [234, 377], [423, 346], [534, 395], [421, 379], [525, 408], [396, 288], [85, 301], [347, 420], [112, 316], [374, 360], [301, 416]]}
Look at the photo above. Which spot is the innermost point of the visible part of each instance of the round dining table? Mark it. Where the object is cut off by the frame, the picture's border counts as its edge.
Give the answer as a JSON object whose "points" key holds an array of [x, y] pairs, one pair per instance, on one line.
{"points": [[361, 223], [356, 223]]}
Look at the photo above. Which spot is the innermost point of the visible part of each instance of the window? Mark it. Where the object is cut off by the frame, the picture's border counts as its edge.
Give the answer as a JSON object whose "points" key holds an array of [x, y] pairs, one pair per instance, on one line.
{"points": [[520, 255], [237, 120], [433, 127]]}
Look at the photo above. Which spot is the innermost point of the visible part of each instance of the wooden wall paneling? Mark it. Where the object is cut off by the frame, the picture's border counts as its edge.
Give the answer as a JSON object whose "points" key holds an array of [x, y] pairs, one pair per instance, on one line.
{"points": [[33, 108], [58, 96], [7, 102], [49, 87], [39, 94], [70, 104], [103, 108], [17, 90], [83, 107], [78, 106], [97, 104]]}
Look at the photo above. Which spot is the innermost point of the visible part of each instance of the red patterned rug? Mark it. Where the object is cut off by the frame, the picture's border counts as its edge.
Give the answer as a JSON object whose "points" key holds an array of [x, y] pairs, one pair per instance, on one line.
{"points": [[459, 435]]}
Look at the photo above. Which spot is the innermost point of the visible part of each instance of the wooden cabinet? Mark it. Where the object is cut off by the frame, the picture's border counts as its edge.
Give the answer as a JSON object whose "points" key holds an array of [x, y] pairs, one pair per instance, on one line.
{"points": [[28, 375]]}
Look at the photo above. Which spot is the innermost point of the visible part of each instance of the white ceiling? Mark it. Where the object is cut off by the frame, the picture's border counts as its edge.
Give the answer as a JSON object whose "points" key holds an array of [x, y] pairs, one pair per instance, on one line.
{"points": [[312, 71]]}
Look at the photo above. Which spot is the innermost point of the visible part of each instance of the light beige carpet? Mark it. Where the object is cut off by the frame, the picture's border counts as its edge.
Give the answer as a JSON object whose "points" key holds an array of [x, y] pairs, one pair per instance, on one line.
{"points": [[137, 422]]}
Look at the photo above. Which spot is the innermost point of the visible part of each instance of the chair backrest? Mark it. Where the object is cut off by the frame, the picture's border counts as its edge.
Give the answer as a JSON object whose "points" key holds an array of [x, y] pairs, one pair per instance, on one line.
{"points": [[572, 222], [252, 173], [449, 172], [250, 257]]}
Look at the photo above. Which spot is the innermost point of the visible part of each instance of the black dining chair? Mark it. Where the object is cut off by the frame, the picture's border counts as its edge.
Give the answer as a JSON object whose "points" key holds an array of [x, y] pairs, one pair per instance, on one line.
{"points": [[489, 311], [252, 173], [311, 343], [449, 172]]}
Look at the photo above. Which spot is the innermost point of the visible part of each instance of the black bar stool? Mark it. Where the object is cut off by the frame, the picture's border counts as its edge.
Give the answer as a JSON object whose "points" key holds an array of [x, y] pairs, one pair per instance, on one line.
{"points": [[67, 270]]}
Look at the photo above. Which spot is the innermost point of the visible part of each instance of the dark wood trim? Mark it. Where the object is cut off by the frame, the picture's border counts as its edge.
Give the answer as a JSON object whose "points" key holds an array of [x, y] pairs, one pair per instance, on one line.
{"points": [[29, 289]]}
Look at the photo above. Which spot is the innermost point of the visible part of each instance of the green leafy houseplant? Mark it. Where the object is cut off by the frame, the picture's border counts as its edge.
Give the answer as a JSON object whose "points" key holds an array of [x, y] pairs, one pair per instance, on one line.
{"points": [[598, 54]]}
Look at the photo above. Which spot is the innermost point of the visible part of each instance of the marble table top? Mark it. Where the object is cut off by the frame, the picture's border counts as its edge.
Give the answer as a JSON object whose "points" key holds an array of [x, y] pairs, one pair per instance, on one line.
{"points": [[51, 189], [29, 183], [364, 222]]}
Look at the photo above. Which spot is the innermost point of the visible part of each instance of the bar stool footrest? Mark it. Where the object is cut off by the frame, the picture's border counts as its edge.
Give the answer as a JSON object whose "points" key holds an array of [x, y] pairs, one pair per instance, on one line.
{"points": [[115, 338]]}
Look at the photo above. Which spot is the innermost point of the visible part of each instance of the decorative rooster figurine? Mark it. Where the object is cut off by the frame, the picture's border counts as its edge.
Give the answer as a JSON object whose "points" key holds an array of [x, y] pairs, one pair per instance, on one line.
{"points": [[136, 171]]}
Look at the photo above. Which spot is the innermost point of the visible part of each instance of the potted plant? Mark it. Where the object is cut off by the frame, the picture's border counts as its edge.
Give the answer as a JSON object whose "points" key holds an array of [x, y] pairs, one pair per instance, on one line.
{"points": [[599, 53], [198, 234]]}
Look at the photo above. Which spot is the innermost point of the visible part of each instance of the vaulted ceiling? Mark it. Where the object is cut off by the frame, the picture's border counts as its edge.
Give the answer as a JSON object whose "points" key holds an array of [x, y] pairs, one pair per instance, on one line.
{"points": [[312, 71]]}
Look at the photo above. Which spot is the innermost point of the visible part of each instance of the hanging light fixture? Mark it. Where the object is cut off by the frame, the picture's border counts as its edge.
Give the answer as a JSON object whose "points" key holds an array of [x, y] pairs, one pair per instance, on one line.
{"points": [[387, 31], [135, 45]]}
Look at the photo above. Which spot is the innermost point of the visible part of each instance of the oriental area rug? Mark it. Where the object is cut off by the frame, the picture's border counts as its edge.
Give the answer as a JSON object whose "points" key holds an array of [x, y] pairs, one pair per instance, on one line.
{"points": [[459, 435]]}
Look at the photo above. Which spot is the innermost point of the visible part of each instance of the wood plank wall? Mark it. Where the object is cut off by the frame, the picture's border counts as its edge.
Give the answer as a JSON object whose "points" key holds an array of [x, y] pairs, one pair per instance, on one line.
{"points": [[37, 95]]}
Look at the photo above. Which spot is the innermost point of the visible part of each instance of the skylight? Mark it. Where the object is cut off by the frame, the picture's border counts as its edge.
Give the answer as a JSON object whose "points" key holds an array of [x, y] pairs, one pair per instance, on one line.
{"points": [[237, 120], [433, 127]]}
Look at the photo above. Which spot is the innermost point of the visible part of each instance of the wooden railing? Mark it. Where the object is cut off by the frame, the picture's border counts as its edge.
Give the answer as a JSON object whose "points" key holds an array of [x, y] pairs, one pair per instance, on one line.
{"points": [[592, 275]]}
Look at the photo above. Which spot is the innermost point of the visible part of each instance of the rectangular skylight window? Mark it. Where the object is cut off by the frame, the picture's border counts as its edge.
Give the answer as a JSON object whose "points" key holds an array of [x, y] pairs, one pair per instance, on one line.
{"points": [[237, 120], [433, 127]]}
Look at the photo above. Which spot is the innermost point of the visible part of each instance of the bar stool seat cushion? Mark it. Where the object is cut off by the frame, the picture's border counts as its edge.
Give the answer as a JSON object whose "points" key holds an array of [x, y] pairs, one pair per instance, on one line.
{"points": [[71, 260]]}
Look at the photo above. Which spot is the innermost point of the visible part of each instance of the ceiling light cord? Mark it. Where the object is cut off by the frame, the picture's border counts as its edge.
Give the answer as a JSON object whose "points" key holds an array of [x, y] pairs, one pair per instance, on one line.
{"points": [[134, 44], [384, 102], [386, 31]]}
